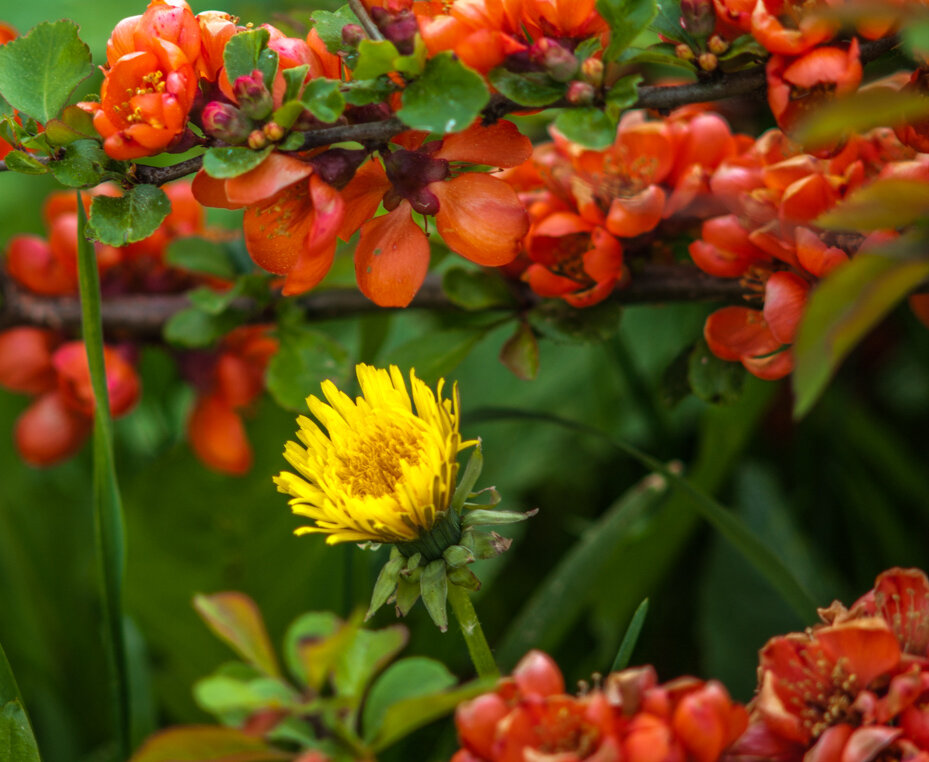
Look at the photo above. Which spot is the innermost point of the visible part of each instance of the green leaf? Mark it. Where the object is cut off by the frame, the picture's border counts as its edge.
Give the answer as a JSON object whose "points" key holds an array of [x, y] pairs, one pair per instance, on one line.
{"points": [[236, 620], [329, 25], [364, 658], [38, 72], [196, 743], [859, 112], [323, 99], [473, 289], [563, 323], [192, 328], [915, 35], [412, 65], [630, 638], [885, 203], [437, 353], [624, 93], [375, 58], [74, 124], [107, 502], [712, 379], [433, 587], [468, 479], [448, 96], [24, 163], [81, 165], [588, 127], [305, 359], [364, 91], [294, 79], [520, 352], [533, 88], [314, 643], [199, 255], [841, 310], [17, 743], [667, 23], [409, 714], [223, 694], [243, 54], [117, 221], [232, 161], [626, 18], [408, 678]]}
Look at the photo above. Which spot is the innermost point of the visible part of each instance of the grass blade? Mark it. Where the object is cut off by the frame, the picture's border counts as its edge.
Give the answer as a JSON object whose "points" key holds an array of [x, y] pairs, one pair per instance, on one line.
{"points": [[630, 638], [108, 511]]}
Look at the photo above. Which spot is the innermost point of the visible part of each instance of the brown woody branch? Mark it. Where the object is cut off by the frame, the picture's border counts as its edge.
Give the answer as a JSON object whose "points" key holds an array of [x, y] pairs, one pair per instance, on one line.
{"points": [[142, 317]]}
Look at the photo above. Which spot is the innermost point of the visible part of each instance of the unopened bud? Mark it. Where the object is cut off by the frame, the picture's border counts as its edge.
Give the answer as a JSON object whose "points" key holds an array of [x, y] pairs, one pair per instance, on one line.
{"points": [[592, 71], [352, 35], [336, 167], [580, 94], [399, 26], [225, 122], [698, 17], [257, 140], [252, 95], [708, 62], [684, 52], [560, 63], [273, 131], [717, 45]]}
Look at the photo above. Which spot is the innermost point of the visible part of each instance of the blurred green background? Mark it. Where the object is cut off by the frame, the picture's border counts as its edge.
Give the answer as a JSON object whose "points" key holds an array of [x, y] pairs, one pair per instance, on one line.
{"points": [[840, 497]]}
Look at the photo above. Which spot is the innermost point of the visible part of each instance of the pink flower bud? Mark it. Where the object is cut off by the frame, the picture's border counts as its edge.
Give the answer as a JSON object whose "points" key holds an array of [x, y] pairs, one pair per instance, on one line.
{"points": [[580, 94], [560, 63], [225, 122], [698, 17], [273, 131], [592, 71], [257, 140], [252, 96], [352, 35]]}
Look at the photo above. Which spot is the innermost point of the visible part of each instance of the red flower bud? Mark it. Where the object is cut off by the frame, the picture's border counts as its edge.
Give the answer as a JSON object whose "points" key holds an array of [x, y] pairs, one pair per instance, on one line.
{"points": [[698, 17], [352, 35], [580, 94], [560, 63], [225, 122], [49, 431], [26, 360], [253, 97]]}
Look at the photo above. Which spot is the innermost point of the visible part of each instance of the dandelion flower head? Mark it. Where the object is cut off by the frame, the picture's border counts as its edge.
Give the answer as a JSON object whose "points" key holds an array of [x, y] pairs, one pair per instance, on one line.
{"points": [[380, 472]]}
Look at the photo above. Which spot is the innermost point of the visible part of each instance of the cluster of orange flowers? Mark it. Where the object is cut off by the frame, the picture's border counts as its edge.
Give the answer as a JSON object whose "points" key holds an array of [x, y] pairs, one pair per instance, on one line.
{"points": [[852, 689]]}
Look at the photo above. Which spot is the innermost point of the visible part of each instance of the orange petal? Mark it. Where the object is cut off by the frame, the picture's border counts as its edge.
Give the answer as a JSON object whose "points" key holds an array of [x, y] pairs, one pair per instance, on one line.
{"points": [[481, 218], [276, 230], [499, 145], [211, 191], [362, 197], [26, 360], [736, 332], [274, 174], [391, 258], [315, 257], [634, 215], [217, 436], [785, 297], [49, 431]]}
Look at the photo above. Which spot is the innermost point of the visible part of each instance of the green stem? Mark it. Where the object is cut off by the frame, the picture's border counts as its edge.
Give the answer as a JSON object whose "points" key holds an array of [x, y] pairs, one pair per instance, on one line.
{"points": [[108, 511], [470, 625]]}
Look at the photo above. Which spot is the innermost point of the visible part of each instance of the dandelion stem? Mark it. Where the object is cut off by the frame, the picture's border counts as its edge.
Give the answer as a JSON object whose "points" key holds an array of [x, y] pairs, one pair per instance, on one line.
{"points": [[470, 625]]}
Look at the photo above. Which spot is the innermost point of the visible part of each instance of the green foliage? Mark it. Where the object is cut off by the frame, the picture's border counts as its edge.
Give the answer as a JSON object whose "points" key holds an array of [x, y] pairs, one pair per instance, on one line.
{"points": [[627, 18], [194, 327], [841, 310], [589, 126], [194, 744], [323, 99], [39, 71], [437, 353], [520, 352], [448, 96], [232, 161], [125, 219], [81, 164], [630, 638], [305, 359], [712, 379], [235, 619], [16, 738], [560, 322], [247, 51], [199, 255], [24, 163], [329, 25], [474, 289], [528, 88], [886, 203]]}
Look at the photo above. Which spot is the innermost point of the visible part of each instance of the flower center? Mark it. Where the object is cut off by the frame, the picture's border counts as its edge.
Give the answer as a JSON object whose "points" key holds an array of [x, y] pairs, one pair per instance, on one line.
{"points": [[371, 463]]}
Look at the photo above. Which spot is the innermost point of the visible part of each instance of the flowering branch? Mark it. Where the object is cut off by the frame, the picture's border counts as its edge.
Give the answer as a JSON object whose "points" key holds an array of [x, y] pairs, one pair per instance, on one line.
{"points": [[142, 316]]}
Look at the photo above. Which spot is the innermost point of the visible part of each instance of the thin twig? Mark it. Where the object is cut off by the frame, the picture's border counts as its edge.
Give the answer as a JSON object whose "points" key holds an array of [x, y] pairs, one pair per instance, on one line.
{"points": [[367, 23]]}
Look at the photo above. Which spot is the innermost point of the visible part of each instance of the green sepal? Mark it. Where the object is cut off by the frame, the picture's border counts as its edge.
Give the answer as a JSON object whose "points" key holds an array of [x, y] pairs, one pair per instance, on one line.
{"points": [[464, 577], [407, 595], [485, 545], [457, 556], [412, 563], [482, 517], [294, 79], [386, 582], [469, 478], [493, 498], [434, 590]]}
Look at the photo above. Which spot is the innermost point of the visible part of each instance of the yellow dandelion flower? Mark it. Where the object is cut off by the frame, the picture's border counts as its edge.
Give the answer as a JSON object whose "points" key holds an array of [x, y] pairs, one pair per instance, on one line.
{"points": [[380, 472]]}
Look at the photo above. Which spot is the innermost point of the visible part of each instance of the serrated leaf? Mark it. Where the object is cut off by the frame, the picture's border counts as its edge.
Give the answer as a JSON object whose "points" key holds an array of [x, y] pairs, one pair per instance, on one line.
{"points": [[447, 97], [24, 163], [242, 54], [200, 255], [528, 88], [841, 310], [236, 620], [81, 164], [627, 19], [232, 161], [39, 71], [323, 99], [305, 359], [408, 678], [117, 221], [74, 124], [473, 289], [193, 328], [520, 353], [588, 127], [195, 743], [712, 379], [329, 25], [375, 57]]}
